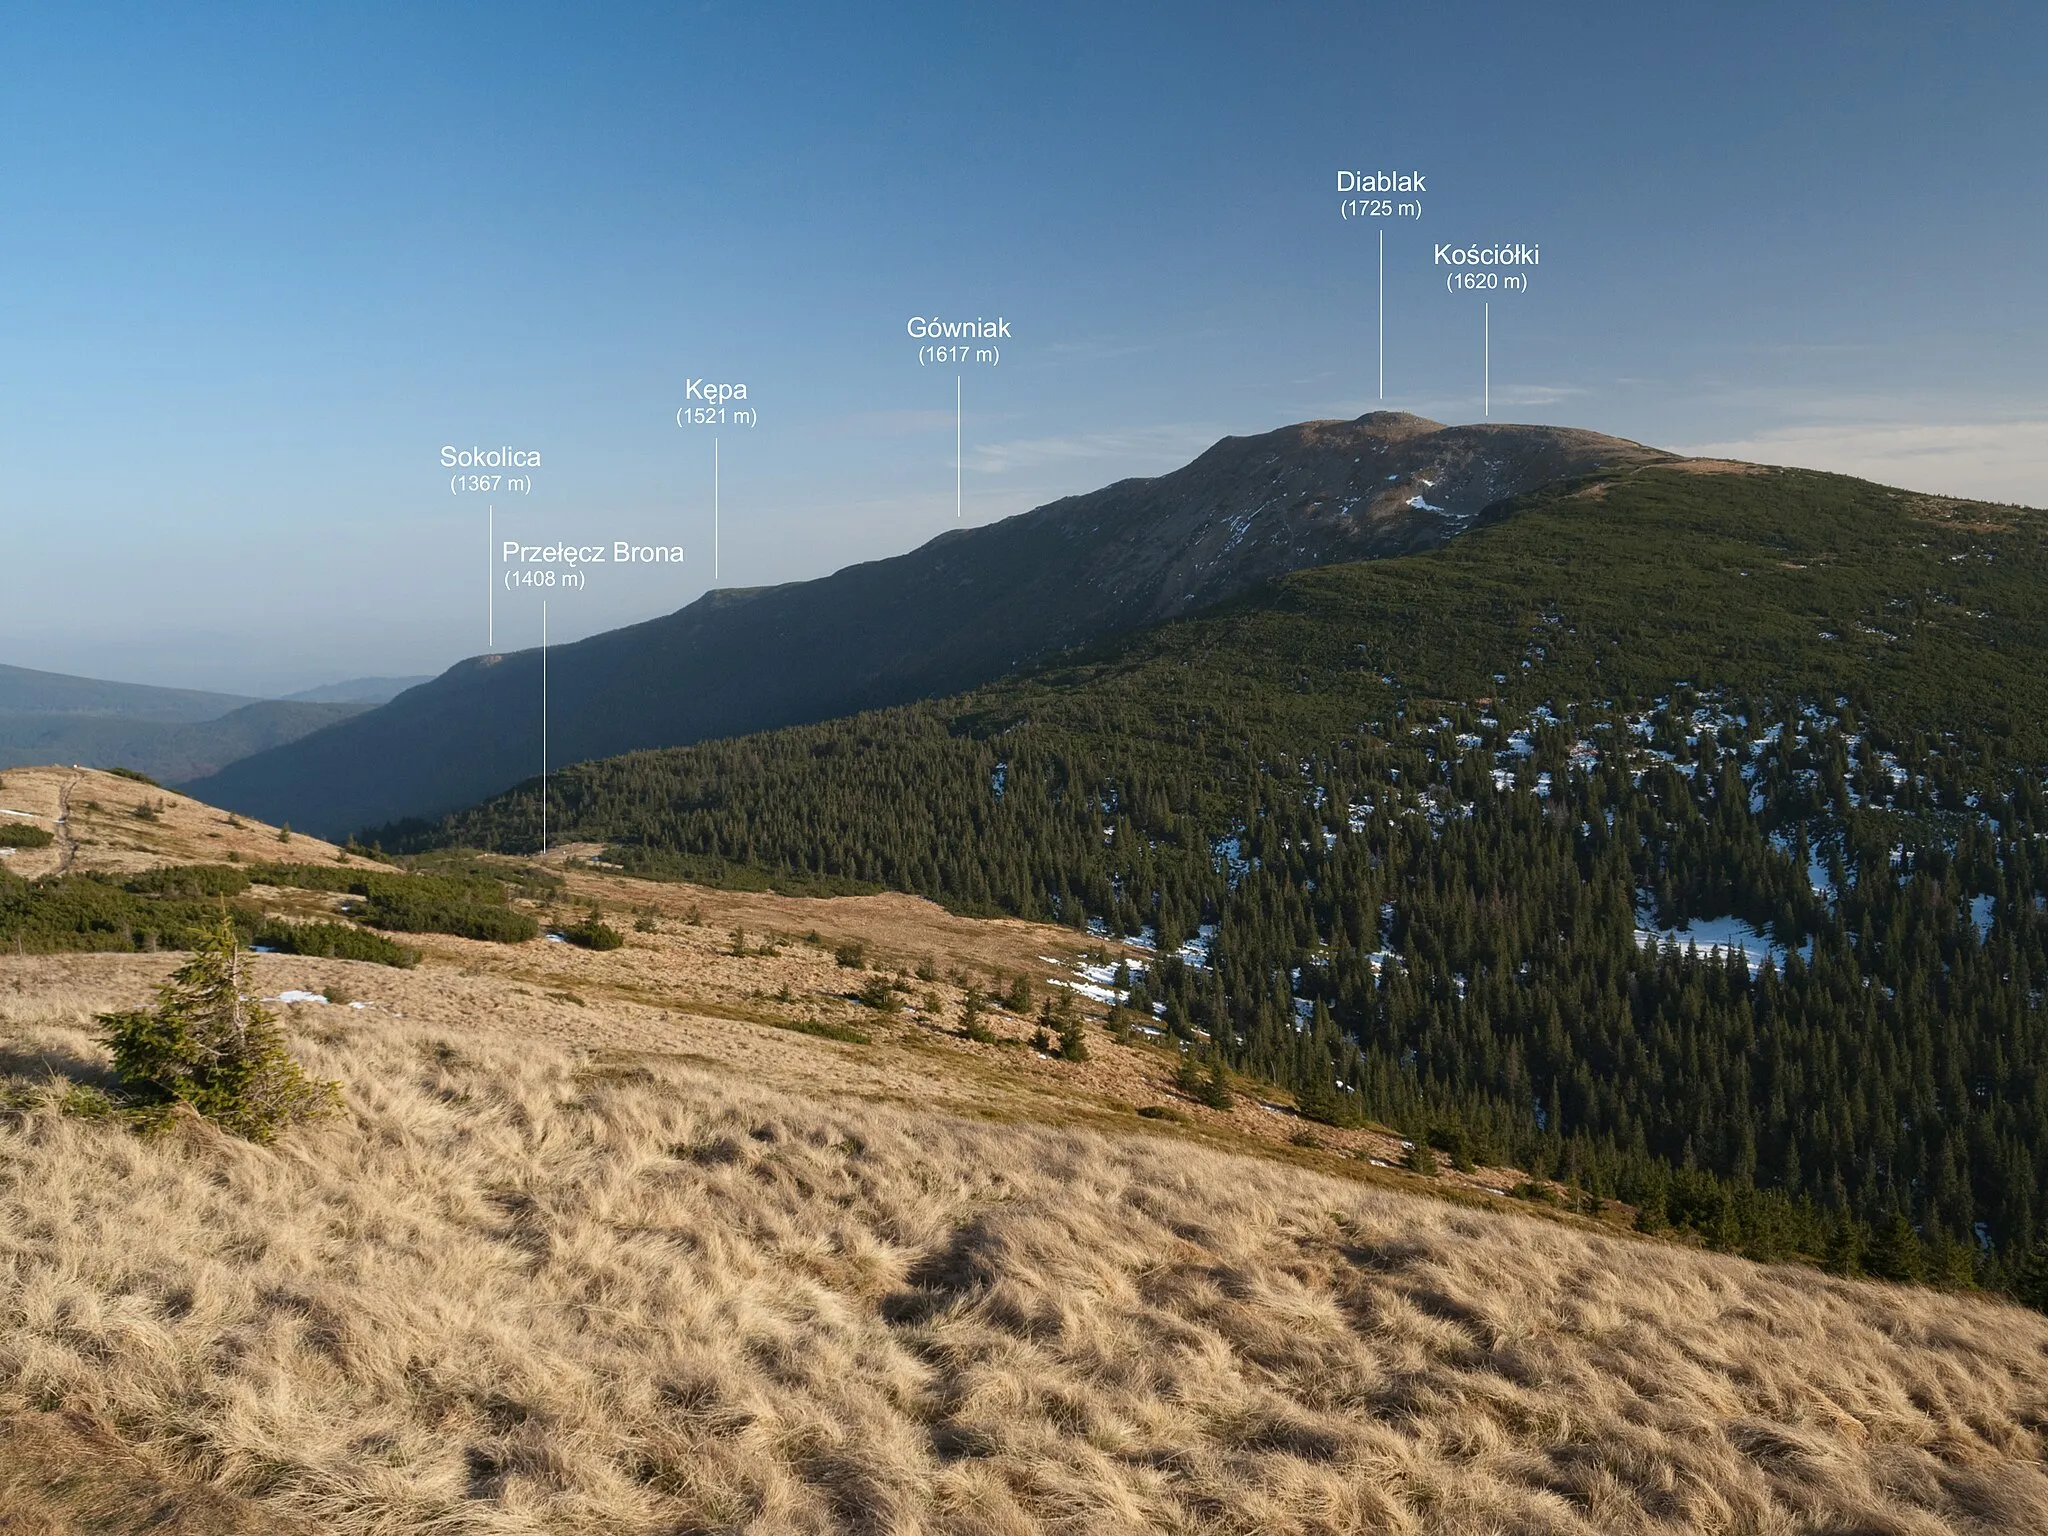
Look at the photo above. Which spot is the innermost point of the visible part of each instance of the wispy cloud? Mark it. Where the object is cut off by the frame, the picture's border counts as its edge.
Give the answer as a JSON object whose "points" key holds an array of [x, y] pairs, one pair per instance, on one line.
{"points": [[1094, 349], [1141, 448], [1535, 394], [1989, 460], [1506, 400]]}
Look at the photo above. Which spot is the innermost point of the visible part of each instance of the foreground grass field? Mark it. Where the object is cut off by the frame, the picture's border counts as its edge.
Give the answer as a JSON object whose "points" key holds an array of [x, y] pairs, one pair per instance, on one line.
{"points": [[522, 1286]]}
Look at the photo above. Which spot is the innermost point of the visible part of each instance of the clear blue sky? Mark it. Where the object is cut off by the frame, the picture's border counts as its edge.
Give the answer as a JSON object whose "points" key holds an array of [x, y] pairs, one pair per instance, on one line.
{"points": [[258, 263]]}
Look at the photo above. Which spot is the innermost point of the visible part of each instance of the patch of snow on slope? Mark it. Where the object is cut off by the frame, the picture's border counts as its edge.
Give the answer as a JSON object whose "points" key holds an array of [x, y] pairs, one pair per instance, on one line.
{"points": [[1714, 938], [1980, 914]]}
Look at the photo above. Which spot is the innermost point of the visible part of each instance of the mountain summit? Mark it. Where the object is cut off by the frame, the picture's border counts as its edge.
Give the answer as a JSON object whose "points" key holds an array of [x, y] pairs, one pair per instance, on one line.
{"points": [[969, 606]]}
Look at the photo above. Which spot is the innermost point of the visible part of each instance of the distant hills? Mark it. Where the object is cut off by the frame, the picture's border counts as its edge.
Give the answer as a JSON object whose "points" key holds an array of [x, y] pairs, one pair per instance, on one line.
{"points": [[24, 691], [169, 733], [358, 690], [969, 606]]}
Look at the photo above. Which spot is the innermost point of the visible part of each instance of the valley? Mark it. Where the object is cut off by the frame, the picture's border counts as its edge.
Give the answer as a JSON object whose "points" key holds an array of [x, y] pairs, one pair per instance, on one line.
{"points": [[171, 734], [1434, 813]]}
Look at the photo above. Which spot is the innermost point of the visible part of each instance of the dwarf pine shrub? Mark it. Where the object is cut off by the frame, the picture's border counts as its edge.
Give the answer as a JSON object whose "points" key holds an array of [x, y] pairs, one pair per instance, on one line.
{"points": [[595, 933]]}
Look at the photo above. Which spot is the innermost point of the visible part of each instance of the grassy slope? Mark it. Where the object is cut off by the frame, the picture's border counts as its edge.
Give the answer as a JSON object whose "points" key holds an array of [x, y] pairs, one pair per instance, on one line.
{"points": [[592, 1251], [92, 815], [522, 1287]]}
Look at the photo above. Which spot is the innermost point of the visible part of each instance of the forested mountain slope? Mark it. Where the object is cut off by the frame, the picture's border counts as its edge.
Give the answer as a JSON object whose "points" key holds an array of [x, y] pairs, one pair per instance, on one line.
{"points": [[967, 607], [1425, 820]]}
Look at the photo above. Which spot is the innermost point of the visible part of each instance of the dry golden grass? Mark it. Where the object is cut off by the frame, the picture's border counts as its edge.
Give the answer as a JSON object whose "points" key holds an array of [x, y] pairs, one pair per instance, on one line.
{"points": [[1717, 467], [681, 987], [113, 839], [597, 1248], [524, 1286], [60, 1477]]}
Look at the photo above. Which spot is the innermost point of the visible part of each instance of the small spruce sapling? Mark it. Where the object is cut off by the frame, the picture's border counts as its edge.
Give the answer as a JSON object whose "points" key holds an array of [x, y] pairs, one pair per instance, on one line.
{"points": [[970, 1017], [1205, 1085], [1073, 1042], [1455, 1142], [206, 1045]]}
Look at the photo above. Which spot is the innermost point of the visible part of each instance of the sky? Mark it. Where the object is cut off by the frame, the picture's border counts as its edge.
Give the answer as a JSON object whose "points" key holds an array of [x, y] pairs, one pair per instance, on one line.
{"points": [[259, 265]]}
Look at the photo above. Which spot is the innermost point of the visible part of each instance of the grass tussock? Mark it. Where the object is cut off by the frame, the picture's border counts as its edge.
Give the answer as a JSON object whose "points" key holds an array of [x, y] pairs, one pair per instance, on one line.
{"points": [[516, 1288]]}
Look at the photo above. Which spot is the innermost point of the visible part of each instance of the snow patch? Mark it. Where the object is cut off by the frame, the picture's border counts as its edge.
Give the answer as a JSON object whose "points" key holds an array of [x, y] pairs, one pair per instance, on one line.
{"points": [[1714, 938], [1980, 914]]}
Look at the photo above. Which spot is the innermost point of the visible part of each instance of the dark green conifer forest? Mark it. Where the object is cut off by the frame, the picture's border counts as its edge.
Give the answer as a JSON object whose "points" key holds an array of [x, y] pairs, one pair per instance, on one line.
{"points": [[1424, 820]]}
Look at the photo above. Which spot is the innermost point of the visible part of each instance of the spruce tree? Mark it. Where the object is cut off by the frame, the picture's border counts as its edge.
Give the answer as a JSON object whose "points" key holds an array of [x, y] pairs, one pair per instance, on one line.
{"points": [[207, 1045], [1066, 1018], [2030, 1278], [1895, 1254], [1216, 1090]]}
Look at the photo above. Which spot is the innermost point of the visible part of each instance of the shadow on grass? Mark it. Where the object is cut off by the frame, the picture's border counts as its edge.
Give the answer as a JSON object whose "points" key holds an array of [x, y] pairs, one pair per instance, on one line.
{"points": [[46, 1065]]}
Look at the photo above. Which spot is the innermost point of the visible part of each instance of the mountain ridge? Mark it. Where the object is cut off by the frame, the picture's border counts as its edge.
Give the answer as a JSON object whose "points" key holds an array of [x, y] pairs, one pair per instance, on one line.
{"points": [[28, 690], [967, 606]]}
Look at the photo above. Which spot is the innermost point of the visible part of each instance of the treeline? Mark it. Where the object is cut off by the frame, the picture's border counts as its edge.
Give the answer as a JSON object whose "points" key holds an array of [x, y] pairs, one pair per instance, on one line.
{"points": [[1801, 702]]}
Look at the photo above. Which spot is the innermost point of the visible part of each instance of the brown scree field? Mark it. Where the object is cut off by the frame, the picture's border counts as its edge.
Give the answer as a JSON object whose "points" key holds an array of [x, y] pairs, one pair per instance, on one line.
{"points": [[596, 1246]]}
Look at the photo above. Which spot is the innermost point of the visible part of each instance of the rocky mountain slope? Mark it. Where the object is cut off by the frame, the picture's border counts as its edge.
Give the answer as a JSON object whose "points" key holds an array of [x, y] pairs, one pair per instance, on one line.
{"points": [[969, 606]]}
